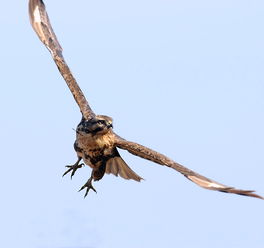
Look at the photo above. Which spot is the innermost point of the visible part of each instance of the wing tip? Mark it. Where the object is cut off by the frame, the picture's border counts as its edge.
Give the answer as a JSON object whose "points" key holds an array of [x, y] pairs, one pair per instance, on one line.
{"points": [[249, 193], [212, 185]]}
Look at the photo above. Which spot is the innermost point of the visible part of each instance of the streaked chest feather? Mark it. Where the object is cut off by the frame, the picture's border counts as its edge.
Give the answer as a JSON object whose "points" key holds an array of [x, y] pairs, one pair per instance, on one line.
{"points": [[96, 141], [95, 146]]}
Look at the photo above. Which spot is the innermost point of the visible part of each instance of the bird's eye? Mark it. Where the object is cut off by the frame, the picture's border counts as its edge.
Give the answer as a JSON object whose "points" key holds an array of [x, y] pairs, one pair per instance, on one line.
{"points": [[100, 121]]}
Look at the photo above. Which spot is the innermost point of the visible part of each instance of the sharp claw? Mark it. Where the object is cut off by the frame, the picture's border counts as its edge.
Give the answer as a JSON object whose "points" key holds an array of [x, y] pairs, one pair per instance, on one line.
{"points": [[73, 168], [81, 188], [87, 191], [66, 171], [89, 186], [94, 190]]}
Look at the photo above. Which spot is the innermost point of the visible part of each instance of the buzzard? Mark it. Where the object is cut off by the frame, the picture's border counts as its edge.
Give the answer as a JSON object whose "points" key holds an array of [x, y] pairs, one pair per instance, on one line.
{"points": [[96, 143]]}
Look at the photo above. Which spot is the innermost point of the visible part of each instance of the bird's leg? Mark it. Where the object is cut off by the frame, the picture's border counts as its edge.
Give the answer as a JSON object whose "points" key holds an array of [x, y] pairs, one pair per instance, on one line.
{"points": [[73, 167], [88, 185]]}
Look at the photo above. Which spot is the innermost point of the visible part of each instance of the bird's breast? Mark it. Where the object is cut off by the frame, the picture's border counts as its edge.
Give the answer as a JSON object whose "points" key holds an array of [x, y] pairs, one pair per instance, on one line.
{"points": [[94, 148]]}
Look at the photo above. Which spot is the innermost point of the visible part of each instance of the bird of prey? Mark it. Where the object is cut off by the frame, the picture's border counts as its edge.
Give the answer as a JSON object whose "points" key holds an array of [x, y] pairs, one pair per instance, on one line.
{"points": [[96, 143]]}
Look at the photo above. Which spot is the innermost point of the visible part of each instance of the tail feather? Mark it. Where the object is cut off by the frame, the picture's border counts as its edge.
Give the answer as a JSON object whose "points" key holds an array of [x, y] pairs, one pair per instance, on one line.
{"points": [[117, 166]]}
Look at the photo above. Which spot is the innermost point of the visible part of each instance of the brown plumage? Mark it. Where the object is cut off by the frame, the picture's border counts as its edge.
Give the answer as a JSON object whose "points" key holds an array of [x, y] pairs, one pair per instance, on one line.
{"points": [[40, 22], [96, 143]]}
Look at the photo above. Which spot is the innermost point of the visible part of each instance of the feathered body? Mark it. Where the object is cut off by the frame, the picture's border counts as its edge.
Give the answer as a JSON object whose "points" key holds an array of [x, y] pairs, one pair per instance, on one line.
{"points": [[95, 144], [90, 146], [95, 148]]}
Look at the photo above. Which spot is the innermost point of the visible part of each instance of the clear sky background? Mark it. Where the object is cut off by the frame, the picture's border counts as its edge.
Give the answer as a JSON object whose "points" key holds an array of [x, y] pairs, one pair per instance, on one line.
{"points": [[184, 77]]}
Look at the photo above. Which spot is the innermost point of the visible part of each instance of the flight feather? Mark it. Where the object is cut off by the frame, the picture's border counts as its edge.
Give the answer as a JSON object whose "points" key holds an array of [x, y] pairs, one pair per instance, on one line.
{"points": [[41, 24]]}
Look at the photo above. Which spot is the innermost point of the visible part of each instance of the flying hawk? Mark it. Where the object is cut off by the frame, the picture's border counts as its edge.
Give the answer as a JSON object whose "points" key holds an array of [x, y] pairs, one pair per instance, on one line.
{"points": [[96, 143]]}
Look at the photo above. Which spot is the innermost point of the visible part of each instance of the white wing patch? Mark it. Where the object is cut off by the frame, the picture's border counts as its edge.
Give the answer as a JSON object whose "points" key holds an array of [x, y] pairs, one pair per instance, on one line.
{"points": [[36, 14], [206, 184]]}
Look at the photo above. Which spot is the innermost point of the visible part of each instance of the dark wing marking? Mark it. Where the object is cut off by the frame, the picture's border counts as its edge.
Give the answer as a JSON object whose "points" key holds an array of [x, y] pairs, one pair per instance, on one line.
{"points": [[40, 22], [200, 180], [117, 166]]}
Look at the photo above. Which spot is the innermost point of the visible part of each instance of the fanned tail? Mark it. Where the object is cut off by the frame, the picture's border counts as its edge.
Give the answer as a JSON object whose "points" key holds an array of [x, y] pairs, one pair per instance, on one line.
{"points": [[117, 166]]}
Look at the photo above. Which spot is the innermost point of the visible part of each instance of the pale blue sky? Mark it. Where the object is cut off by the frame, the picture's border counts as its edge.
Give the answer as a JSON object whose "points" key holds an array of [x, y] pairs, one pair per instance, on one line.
{"points": [[182, 77]]}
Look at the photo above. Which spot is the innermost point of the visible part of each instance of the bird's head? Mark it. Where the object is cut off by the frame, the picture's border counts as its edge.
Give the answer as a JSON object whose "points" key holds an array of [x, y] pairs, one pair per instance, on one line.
{"points": [[100, 124]]}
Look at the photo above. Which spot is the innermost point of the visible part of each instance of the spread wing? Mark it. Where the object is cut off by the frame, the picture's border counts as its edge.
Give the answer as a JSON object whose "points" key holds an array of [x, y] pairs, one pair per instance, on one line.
{"points": [[158, 158], [40, 22]]}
